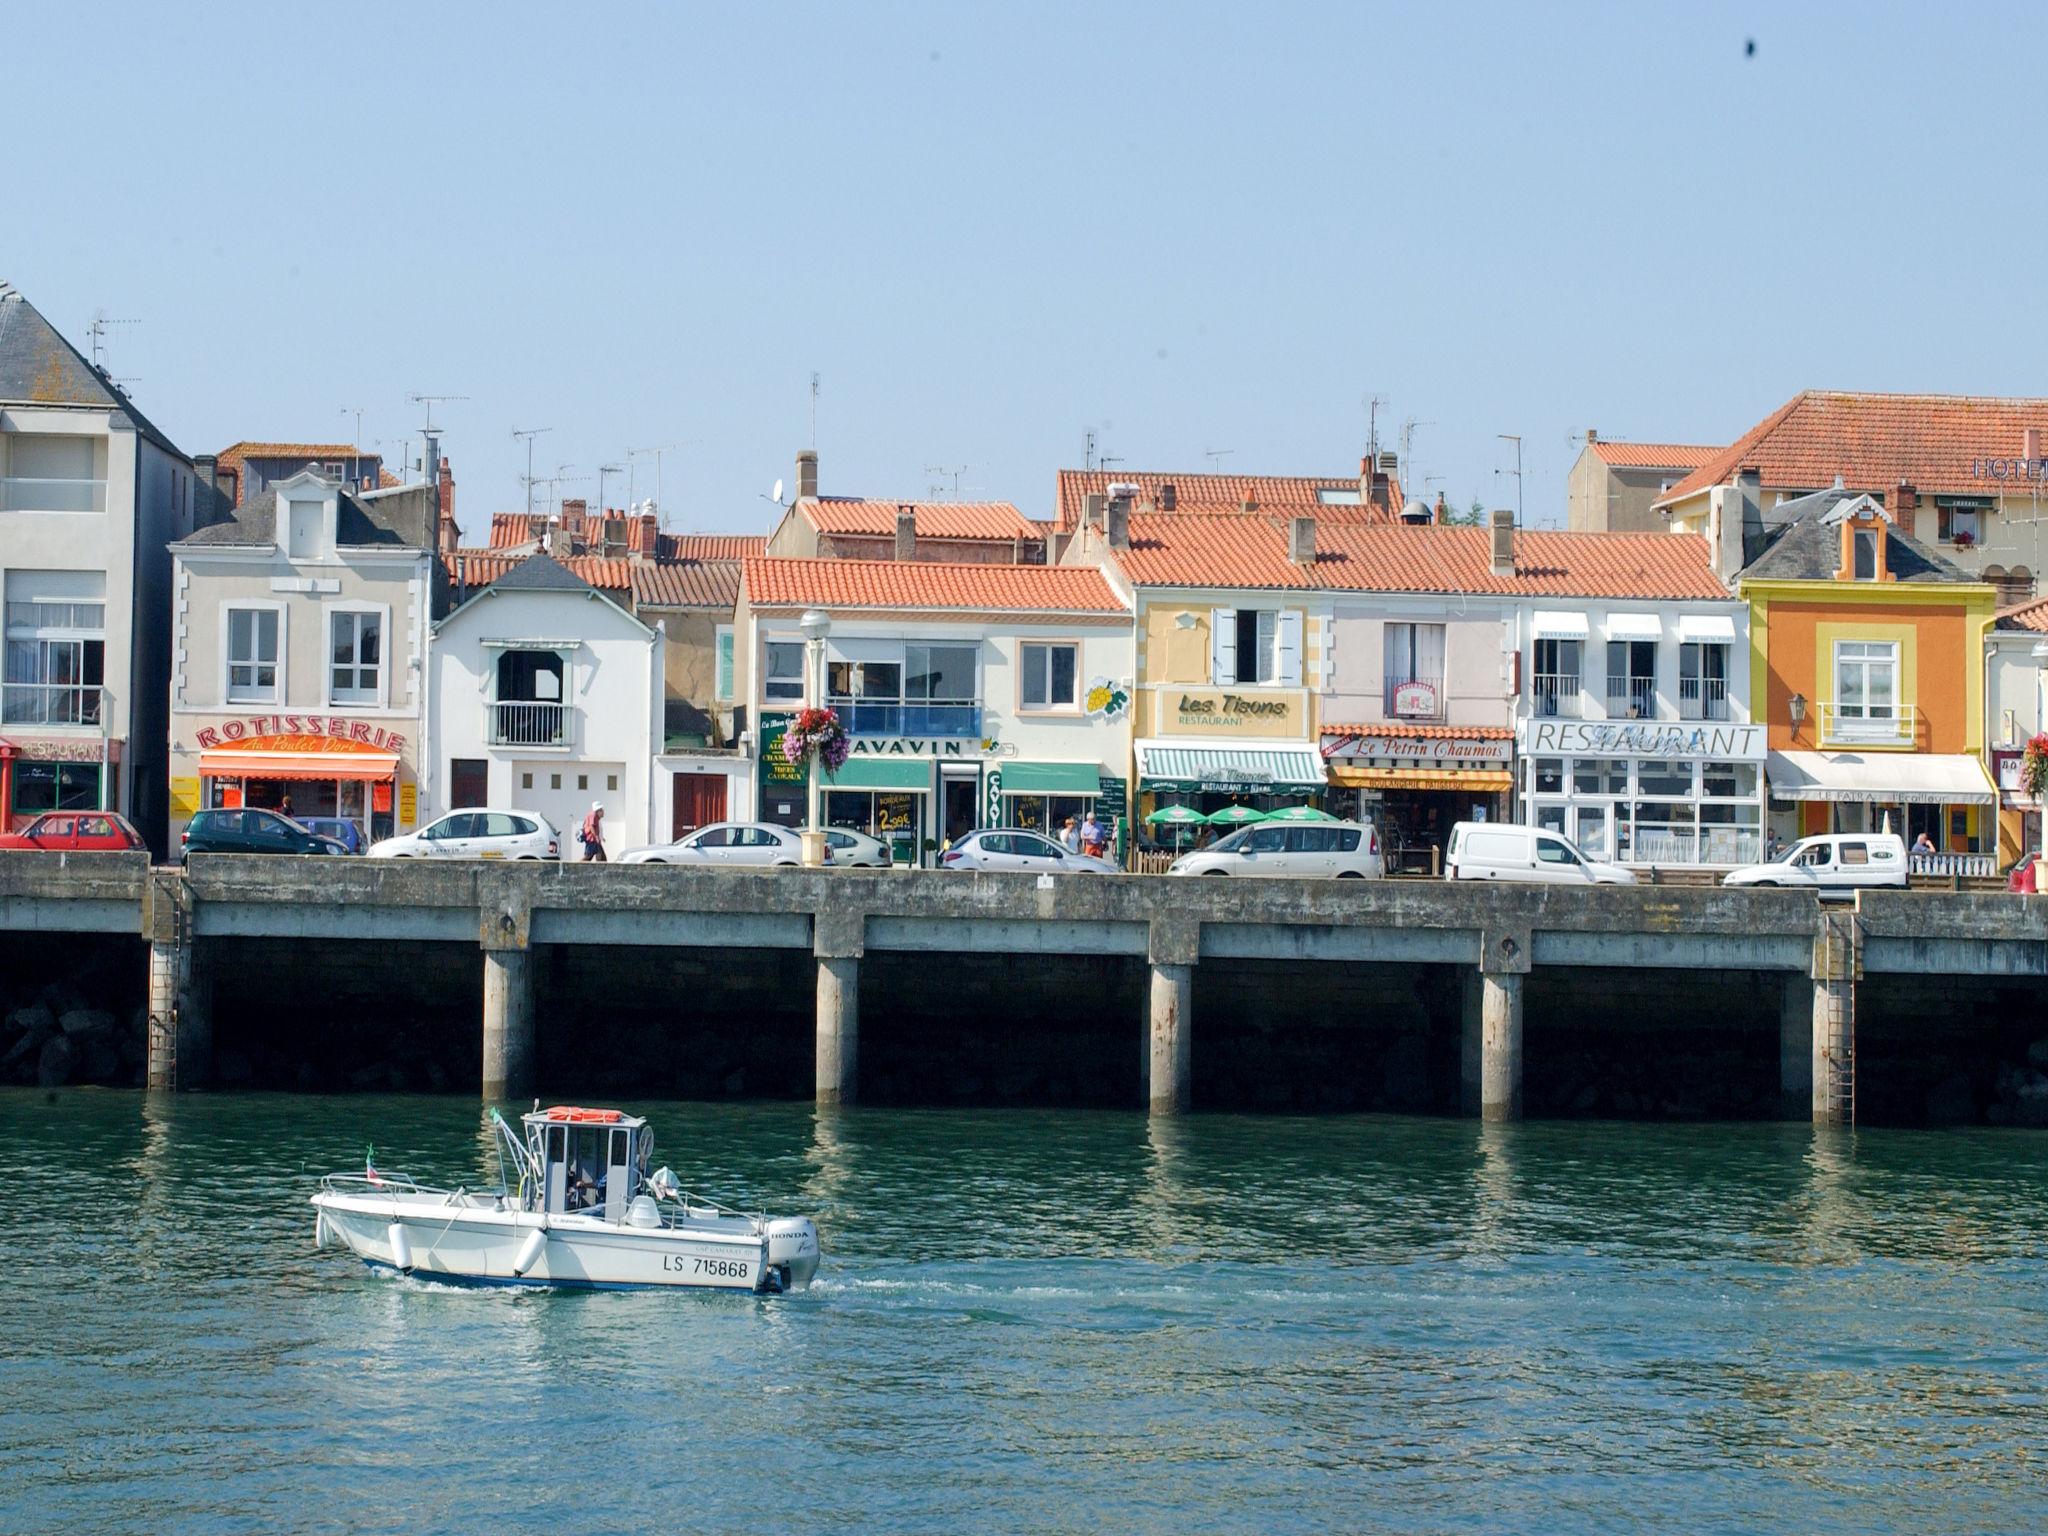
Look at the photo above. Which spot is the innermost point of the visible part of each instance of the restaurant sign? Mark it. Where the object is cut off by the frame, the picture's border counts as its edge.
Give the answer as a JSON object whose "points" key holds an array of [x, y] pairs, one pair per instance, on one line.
{"points": [[1415, 701], [922, 746], [325, 728], [1222, 709], [1427, 749], [1641, 738]]}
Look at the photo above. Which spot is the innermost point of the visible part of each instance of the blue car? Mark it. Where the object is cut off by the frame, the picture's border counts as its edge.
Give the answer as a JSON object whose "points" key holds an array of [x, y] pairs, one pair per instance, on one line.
{"points": [[340, 828]]}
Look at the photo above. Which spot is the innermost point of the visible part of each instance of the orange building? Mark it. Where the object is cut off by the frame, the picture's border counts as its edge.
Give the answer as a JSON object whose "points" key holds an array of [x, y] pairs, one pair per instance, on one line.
{"points": [[1867, 670]]}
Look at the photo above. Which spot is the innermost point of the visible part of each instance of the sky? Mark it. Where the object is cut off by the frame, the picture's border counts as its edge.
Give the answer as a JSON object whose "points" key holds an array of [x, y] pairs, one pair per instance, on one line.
{"points": [[1209, 234]]}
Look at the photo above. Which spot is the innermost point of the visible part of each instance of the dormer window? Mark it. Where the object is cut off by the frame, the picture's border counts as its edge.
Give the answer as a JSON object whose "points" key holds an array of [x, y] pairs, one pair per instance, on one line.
{"points": [[1867, 553]]}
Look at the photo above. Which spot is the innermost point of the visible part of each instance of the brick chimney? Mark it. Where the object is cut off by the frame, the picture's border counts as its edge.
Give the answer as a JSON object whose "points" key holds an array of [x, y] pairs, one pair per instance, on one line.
{"points": [[1501, 523], [1301, 540], [647, 535], [1380, 493], [446, 535], [1117, 529], [2030, 444], [1592, 436], [1441, 512], [807, 474], [906, 533], [574, 509], [1169, 496]]}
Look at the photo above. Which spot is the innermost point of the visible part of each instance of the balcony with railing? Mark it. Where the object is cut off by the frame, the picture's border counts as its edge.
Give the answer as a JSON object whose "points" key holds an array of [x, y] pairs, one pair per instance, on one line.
{"points": [[529, 723], [49, 704], [1868, 725], [1703, 698], [32, 493], [1414, 698], [889, 718], [1631, 698], [1556, 694]]}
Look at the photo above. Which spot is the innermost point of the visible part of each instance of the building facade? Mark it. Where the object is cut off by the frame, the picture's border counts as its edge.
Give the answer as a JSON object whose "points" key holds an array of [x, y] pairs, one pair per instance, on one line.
{"points": [[2015, 712], [1614, 487]]}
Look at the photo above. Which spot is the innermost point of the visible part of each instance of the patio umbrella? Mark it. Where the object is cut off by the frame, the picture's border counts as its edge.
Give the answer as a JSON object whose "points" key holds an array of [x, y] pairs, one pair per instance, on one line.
{"points": [[1300, 813], [1235, 816], [1176, 816]]}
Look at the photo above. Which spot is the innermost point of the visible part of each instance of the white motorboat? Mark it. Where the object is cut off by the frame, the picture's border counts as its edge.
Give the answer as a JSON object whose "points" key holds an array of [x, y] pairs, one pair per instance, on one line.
{"points": [[584, 1211]]}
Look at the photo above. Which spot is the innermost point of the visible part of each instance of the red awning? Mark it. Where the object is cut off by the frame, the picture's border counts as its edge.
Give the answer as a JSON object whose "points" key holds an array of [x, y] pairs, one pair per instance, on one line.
{"points": [[298, 765]]}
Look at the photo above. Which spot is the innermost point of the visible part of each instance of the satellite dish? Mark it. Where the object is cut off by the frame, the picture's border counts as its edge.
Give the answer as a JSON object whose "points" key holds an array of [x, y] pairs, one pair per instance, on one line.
{"points": [[776, 494]]}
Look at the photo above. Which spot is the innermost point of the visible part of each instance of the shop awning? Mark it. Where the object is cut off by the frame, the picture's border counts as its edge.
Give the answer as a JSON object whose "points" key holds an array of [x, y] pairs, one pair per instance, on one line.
{"points": [[1558, 626], [1244, 767], [1476, 779], [1881, 778], [882, 773], [1634, 626], [1706, 628], [1051, 778], [371, 766]]}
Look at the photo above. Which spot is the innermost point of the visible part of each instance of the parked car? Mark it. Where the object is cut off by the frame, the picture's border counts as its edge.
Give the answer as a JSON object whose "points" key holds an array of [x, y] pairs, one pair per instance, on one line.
{"points": [[79, 831], [1341, 849], [247, 830], [730, 844], [2025, 875], [342, 829], [1013, 848], [476, 834], [856, 850], [1496, 850], [1839, 861]]}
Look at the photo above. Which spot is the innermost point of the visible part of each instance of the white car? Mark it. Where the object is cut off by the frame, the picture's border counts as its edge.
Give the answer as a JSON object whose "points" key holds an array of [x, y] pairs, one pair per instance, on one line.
{"points": [[1840, 861], [856, 850], [730, 844], [1012, 848], [1340, 849], [476, 834], [1496, 850]]}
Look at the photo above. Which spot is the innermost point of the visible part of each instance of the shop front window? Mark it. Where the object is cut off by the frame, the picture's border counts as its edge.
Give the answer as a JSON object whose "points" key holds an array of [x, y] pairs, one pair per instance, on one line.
{"points": [[40, 787], [1046, 813], [1549, 775]]}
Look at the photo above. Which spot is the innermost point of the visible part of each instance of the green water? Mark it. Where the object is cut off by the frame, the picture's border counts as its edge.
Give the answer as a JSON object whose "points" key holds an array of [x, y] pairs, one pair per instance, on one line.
{"points": [[1044, 1321]]}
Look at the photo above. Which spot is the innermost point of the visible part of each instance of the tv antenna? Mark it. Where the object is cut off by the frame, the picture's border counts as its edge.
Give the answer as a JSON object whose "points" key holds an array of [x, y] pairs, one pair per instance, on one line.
{"points": [[1088, 449], [604, 473], [658, 450], [938, 486], [1216, 456], [430, 401], [1108, 459], [1515, 438], [529, 433], [1372, 404], [555, 482], [102, 322], [355, 467], [816, 380]]}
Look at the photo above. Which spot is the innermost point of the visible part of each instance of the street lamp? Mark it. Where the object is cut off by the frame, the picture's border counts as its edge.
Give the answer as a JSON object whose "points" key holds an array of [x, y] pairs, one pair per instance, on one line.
{"points": [[816, 624]]}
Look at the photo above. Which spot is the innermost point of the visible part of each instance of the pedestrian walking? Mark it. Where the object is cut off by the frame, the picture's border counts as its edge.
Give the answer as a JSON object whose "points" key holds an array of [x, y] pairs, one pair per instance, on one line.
{"points": [[591, 834], [1093, 838], [1070, 835]]}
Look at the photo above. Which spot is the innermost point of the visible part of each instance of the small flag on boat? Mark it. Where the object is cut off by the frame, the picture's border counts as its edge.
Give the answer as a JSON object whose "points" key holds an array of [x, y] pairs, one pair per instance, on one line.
{"points": [[370, 1167]]}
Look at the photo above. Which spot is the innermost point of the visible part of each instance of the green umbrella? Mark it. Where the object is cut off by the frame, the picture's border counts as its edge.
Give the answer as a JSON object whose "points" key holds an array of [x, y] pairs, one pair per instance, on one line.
{"points": [[1235, 816], [1177, 816], [1300, 813]]}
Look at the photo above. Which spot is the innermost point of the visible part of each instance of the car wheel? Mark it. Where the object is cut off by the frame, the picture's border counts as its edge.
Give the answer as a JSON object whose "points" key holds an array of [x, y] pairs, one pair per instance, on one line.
{"points": [[1349, 874], [1217, 872]]}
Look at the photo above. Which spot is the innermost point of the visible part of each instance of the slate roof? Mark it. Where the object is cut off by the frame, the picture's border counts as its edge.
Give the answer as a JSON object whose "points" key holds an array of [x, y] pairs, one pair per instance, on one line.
{"points": [[1651, 455], [1873, 442], [394, 520], [1212, 494], [928, 584], [987, 520], [1802, 545], [39, 367]]}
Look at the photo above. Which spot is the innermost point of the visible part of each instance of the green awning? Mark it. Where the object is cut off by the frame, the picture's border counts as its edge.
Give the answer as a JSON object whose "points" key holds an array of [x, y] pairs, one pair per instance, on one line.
{"points": [[882, 773], [1051, 778], [1248, 769]]}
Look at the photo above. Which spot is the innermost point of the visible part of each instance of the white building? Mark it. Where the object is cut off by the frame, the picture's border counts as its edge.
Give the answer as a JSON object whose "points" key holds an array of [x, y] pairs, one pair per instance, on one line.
{"points": [[2015, 656], [976, 694], [547, 696], [90, 496]]}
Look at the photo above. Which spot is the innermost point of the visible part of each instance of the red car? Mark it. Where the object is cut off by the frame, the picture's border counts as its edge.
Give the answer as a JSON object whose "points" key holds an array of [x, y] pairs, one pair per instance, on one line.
{"points": [[2025, 876], [78, 831]]}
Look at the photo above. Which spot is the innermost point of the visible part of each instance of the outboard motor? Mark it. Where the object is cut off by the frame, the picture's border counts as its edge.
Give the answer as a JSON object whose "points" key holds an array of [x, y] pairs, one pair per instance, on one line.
{"points": [[793, 1249]]}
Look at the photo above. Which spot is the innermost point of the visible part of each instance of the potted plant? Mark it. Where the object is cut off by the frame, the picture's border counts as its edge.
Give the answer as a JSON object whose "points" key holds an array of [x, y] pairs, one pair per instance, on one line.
{"points": [[1963, 539], [816, 733], [2034, 767]]}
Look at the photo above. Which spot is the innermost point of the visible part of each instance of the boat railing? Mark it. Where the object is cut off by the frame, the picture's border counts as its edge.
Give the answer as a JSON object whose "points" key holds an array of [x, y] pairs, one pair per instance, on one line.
{"points": [[344, 1183]]}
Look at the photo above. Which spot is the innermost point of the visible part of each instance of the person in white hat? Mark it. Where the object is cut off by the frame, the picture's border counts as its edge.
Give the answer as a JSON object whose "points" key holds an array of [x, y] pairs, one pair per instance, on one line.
{"points": [[591, 834]]}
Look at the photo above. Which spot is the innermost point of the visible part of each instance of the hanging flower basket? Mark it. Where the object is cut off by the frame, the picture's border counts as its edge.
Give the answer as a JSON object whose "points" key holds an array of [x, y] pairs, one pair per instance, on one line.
{"points": [[816, 733], [2034, 767]]}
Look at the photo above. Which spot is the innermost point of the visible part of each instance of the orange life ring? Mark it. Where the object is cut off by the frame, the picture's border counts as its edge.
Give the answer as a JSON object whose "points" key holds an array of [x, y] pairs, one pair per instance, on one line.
{"points": [[576, 1116]]}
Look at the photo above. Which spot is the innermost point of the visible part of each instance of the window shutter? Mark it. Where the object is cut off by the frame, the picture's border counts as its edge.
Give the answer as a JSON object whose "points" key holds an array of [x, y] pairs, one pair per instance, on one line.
{"points": [[724, 683], [1287, 649], [1223, 646]]}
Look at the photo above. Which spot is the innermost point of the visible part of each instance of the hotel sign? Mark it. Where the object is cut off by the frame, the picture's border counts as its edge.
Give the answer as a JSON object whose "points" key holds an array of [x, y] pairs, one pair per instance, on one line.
{"points": [[2009, 469], [1641, 738]]}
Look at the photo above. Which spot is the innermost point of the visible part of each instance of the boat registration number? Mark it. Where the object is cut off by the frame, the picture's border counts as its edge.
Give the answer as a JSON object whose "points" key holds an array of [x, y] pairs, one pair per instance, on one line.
{"points": [[726, 1269]]}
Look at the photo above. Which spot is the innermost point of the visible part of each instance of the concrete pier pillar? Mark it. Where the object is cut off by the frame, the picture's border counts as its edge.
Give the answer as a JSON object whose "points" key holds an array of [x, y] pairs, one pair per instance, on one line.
{"points": [[838, 1070], [1795, 1048], [1837, 967], [1500, 1046], [1170, 1061], [508, 1024]]}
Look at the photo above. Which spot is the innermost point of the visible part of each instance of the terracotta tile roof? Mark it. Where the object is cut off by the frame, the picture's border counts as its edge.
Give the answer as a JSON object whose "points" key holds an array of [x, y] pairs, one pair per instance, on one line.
{"points": [[2031, 616], [712, 546], [1875, 441], [479, 568], [510, 529], [1423, 732], [994, 520], [687, 584], [1214, 494], [241, 452], [1251, 552], [914, 584], [1652, 455]]}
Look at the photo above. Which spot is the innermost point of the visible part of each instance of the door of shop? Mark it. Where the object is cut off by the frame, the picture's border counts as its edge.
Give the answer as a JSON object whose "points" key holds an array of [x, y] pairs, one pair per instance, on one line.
{"points": [[959, 807], [696, 800]]}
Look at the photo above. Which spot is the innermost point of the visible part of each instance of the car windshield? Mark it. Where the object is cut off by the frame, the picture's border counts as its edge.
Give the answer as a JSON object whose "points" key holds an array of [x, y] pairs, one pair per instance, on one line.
{"points": [[1230, 843]]}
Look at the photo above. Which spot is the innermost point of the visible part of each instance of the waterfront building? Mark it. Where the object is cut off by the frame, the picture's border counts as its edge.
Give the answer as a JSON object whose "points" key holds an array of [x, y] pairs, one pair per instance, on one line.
{"points": [[546, 695], [1614, 487], [91, 493], [2015, 656], [975, 694], [299, 632], [1867, 669], [1965, 476], [865, 528]]}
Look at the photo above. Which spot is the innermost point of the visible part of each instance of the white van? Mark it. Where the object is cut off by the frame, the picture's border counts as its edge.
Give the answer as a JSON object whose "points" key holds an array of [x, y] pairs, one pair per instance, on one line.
{"points": [[1839, 861], [1338, 849], [1494, 850]]}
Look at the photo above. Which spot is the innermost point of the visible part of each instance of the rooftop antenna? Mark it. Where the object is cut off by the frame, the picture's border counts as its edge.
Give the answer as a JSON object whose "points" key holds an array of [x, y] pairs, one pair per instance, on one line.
{"points": [[1088, 449], [1408, 441], [430, 401], [938, 486], [555, 482], [1110, 458], [815, 381], [1372, 425], [355, 467], [657, 450], [1216, 456], [102, 322], [1515, 438], [529, 433], [604, 473]]}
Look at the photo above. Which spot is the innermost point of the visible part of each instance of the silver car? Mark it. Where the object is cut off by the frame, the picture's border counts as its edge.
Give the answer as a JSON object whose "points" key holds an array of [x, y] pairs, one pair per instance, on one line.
{"points": [[856, 850], [476, 834], [1338, 849], [1012, 848], [729, 844]]}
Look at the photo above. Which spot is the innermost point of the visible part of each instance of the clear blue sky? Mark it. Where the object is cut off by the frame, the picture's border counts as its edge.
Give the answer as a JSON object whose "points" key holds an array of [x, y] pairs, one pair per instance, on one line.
{"points": [[990, 229]]}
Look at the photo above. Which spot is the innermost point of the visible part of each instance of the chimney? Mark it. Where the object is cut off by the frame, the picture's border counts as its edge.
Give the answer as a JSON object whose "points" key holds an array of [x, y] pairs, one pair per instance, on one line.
{"points": [[2030, 444], [559, 543], [1501, 523], [1905, 502], [1592, 436], [612, 530], [207, 467], [573, 509], [1249, 504], [1301, 540], [1441, 513], [1365, 481], [432, 462], [1379, 493], [1117, 531], [906, 533], [1169, 494], [646, 535], [1091, 509], [807, 474]]}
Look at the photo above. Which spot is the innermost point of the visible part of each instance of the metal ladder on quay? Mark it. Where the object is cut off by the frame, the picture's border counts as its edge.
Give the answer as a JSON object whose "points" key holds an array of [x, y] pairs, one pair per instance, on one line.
{"points": [[1840, 961]]}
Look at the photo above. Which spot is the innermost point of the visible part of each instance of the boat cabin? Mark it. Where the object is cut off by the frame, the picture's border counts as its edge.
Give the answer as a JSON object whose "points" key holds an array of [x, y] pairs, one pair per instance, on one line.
{"points": [[592, 1160]]}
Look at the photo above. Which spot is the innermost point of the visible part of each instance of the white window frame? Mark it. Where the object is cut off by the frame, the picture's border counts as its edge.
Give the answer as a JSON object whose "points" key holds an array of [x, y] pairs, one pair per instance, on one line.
{"points": [[722, 663], [769, 680], [1043, 666], [1864, 664], [376, 698], [1276, 659], [276, 695]]}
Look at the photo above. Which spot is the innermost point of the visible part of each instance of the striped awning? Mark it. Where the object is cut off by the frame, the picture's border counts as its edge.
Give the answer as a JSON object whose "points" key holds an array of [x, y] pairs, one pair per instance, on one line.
{"points": [[1479, 779], [1880, 778], [1163, 764], [370, 766]]}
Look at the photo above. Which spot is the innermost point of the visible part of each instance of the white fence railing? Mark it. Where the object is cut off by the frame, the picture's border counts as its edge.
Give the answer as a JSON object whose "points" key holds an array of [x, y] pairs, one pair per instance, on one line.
{"points": [[1868, 725], [520, 723]]}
